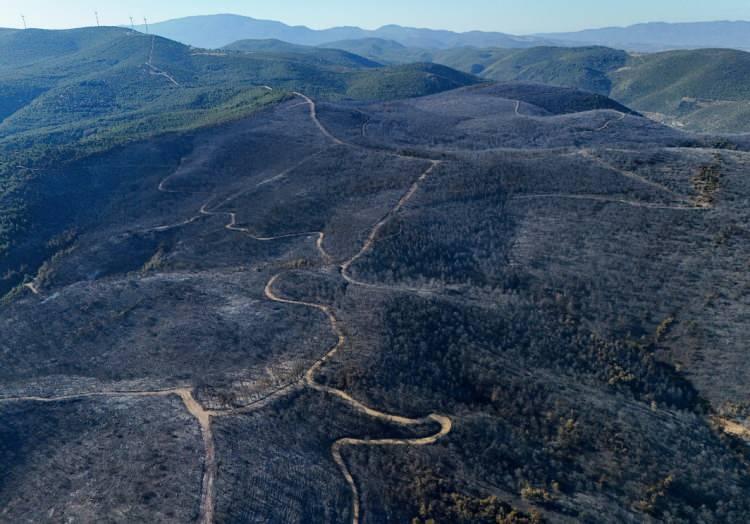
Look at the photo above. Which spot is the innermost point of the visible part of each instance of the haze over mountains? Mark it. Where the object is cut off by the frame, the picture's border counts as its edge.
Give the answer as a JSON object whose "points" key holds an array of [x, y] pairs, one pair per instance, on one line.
{"points": [[213, 31], [659, 36]]}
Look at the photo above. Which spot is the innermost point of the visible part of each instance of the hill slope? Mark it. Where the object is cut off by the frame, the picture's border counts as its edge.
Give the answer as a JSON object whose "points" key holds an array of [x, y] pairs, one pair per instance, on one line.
{"points": [[501, 303], [702, 90], [70, 94], [584, 68], [285, 50]]}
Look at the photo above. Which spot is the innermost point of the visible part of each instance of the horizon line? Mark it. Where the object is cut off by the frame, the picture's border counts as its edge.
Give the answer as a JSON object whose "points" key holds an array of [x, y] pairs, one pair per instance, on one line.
{"points": [[326, 28]]}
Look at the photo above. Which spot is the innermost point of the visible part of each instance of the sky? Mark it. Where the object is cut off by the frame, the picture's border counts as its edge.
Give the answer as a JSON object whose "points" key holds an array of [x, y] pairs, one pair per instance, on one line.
{"points": [[509, 16]]}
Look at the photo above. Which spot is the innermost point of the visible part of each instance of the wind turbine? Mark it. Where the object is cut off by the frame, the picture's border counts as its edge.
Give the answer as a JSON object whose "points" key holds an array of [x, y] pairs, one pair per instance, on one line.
{"points": [[132, 24], [145, 22], [96, 14], [23, 19]]}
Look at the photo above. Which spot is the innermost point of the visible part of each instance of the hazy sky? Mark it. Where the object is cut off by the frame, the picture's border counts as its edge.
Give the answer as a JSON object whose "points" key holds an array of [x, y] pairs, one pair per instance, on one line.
{"points": [[512, 16]]}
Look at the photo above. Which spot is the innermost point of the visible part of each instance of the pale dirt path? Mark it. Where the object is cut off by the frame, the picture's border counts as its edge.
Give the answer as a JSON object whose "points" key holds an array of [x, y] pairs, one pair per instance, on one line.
{"points": [[209, 461], [314, 116], [620, 118], [589, 155], [204, 210], [155, 70], [193, 407], [309, 377], [32, 287], [732, 427], [204, 417], [599, 198], [445, 428], [375, 230]]}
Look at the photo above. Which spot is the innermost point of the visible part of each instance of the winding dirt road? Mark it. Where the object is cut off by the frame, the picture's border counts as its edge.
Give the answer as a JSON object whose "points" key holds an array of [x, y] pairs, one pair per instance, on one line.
{"points": [[310, 376], [314, 116], [445, 428], [308, 379], [204, 417]]}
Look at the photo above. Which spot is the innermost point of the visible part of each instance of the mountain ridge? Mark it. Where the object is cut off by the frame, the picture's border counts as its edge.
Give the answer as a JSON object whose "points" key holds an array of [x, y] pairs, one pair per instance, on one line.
{"points": [[213, 31], [219, 30], [663, 36]]}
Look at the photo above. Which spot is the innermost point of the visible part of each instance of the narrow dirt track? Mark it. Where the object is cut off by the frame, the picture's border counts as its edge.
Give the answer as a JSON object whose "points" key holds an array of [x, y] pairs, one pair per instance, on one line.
{"points": [[620, 118], [314, 116], [375, 230], [155, 70], [209, 458], [309, 377], [599, 198], [589, 155], [204, 417], [191, 405], [445, 428], [32, 287]]}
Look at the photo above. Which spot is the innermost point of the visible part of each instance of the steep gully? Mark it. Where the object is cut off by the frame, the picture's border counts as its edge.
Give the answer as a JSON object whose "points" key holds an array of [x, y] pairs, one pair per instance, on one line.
{"points": [[204, 417]]}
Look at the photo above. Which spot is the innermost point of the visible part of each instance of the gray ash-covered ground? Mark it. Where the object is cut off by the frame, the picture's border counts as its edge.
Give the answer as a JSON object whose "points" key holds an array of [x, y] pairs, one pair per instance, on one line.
{"points": [[568, 285]]}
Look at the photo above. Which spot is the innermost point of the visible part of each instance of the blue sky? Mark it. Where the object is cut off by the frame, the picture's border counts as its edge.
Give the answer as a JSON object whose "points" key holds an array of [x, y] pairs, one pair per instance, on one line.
{"points": [[512, 16]]}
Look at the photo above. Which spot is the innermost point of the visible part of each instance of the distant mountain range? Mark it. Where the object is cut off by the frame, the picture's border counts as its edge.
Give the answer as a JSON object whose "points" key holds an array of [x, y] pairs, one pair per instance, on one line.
{"points": [[214, 31], [659, 36]]}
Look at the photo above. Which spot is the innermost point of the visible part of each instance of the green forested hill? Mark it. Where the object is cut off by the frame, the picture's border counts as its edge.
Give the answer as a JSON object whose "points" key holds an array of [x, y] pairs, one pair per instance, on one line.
{"points": [[703, 90], [287, 51], [98, 79], [382, 50], [584, 67]]}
